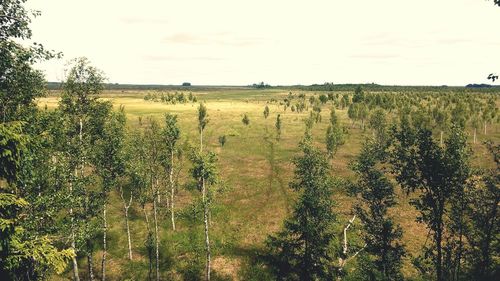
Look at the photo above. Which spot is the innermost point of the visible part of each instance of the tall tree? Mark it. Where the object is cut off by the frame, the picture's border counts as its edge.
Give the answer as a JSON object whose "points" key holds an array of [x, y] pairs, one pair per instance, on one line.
{"points": [[110, 166], [23, 255], [381, 235], [153, 154], [170, 135], [204, 171], [84, 118], [439, 174], [484, 225], [301, 251]]}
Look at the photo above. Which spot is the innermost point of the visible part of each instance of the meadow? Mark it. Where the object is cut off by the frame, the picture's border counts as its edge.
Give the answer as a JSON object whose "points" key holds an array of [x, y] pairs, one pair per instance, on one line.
{"points": [[256, 169]]}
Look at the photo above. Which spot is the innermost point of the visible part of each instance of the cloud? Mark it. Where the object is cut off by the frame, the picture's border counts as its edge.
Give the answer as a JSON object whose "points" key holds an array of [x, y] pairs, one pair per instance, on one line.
{"points": [[221, 38], [131, 20], [173, 58], [453, 41], [374, 56], [185, 38]]}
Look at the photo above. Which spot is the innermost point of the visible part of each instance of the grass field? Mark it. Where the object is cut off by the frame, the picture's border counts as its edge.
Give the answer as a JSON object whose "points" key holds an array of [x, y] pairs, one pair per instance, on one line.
{"points": [[255, 167]]}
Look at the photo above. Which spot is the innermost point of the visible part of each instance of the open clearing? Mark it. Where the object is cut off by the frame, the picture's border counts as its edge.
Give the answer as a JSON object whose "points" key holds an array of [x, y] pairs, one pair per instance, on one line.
{"points": [[256, 169]]}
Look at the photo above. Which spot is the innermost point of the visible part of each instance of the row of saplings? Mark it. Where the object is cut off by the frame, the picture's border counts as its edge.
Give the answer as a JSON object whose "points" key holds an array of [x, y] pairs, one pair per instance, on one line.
{"points": [[170, 98]]}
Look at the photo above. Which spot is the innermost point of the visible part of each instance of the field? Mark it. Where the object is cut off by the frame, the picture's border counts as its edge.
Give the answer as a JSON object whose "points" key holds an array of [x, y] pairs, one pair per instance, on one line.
{"points": [[256, 169]]}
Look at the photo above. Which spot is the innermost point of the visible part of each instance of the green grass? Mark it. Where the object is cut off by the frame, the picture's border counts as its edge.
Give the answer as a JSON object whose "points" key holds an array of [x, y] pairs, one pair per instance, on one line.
{"points": [[256, 170]]}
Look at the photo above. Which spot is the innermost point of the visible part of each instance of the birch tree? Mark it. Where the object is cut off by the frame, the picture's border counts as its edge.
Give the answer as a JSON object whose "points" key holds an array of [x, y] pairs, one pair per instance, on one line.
{"points": [[170, 136], [204, 171], [83, 116], [110, 166], [153, 156]]}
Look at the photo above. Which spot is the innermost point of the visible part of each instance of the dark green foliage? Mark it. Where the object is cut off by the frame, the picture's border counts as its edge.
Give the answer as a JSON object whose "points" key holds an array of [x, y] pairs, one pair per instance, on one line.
{"points": [[204, 168], [484, 225], [278, 126], [359, 95], [440, 174], [378, 123], [381, 235], [352, 112], [302, 250], [334, 135], [344, 102], [171, 132], [12, 144], [323, 98], [222, 140], [202, 117], [109, 157], [170, 98], [261, 85], [245, 120], [266, 112], [27, 252], [20, 83]]}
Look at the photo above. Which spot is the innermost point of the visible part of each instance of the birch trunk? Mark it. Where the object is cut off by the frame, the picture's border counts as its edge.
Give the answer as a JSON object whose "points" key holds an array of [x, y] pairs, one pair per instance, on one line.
{"points": [[90, 261], [157, 243], [149, 231], [475, 135], [172, 189], [125, 208], [76, 275], [205, 216], [441, 139], [201, 140], [207, 239], [103, 265]]}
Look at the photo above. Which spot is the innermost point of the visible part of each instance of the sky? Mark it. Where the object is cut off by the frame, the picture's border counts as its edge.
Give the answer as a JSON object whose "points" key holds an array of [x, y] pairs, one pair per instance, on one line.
{"points": [[280, 42]]}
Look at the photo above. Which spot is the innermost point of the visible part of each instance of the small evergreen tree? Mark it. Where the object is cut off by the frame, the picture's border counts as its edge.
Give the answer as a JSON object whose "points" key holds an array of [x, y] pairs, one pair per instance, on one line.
{"points": [[245, 120], [222, 140], [266, 112], [381, 235], [278, 127], [301, 251], [359, 95]]}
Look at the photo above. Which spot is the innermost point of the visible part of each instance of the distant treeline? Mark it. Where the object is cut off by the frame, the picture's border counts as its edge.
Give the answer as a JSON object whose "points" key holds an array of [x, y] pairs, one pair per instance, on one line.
{"points": [[392, 88], [313, 87]]}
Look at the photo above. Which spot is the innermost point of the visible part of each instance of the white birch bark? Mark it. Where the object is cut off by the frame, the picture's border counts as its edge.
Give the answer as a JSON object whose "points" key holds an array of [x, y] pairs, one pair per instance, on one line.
{"points": [[125, 208], [105, 249], [172, 189]]}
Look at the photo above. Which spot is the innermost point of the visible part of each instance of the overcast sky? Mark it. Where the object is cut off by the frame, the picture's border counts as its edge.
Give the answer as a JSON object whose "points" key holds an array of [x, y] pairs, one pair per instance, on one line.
{"points": [[231, 42]]}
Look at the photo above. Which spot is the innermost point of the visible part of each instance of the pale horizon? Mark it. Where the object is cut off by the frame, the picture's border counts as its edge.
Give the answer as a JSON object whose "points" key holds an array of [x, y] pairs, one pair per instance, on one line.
{"points": [[221, 42]]}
